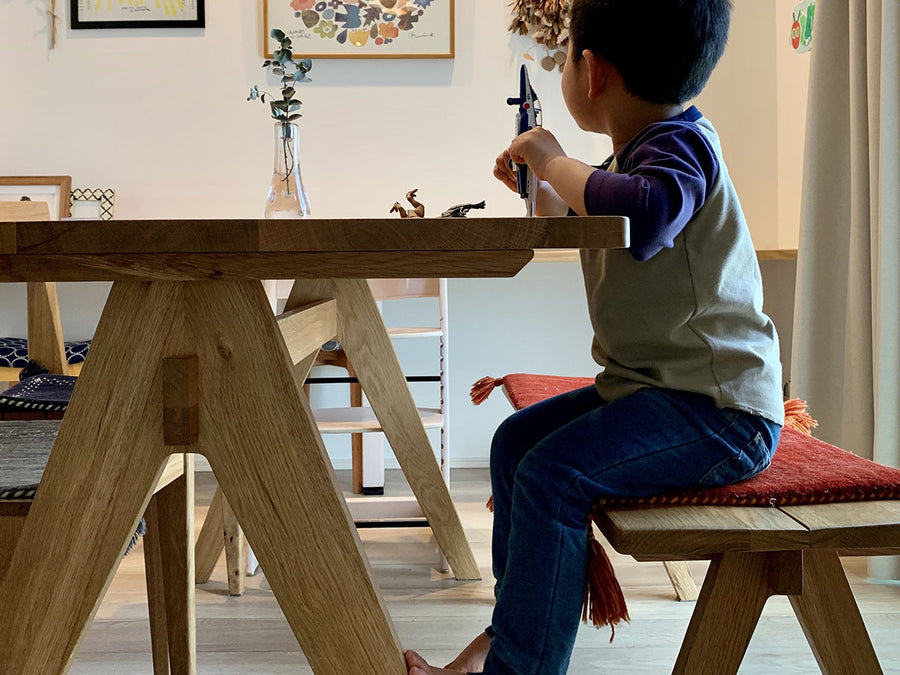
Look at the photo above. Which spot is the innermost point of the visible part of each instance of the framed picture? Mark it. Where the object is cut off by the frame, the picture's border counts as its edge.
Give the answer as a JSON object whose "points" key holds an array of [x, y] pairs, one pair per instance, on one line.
{"points": [[137, 14], [346, 29], [92, 203], [54, 190]]}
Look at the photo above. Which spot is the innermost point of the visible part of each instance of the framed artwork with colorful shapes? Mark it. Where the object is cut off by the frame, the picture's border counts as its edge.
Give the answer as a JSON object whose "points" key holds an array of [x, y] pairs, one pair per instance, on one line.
{"points": [[93, 203], [346, 29]]}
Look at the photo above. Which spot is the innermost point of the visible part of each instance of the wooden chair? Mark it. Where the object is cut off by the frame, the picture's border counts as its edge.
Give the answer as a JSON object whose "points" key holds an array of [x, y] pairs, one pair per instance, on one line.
{"points": [[758, 552], [221, 531], [168, 543], [45, 336]]}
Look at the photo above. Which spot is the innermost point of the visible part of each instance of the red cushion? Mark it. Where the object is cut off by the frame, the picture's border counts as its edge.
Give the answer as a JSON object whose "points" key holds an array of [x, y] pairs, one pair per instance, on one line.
{"points": [[804, 470]]}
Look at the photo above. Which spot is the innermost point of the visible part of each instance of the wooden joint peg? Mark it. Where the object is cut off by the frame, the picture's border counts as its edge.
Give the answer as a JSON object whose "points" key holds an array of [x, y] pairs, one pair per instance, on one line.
{"points": [[785, 570], [181, 400]]}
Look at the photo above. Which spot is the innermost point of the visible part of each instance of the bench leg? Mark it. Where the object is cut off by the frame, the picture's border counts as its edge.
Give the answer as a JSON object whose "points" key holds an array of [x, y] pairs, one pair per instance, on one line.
{"points": [[210, 542], [682, 581], [718, 634], [830, 617]]}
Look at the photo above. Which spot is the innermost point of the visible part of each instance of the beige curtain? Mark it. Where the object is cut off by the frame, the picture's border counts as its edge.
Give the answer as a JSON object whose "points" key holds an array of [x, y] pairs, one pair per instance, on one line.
{"points": [[846, 343]]}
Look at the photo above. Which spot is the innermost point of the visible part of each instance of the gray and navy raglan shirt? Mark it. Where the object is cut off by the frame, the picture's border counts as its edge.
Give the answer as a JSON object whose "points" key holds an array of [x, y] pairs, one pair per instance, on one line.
{"points": [[681, 308]]}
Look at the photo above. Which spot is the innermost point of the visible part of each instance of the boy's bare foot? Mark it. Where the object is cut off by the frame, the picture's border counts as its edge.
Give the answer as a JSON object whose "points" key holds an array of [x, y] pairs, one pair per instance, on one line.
{"points": [[416, 665], [472, 658]]}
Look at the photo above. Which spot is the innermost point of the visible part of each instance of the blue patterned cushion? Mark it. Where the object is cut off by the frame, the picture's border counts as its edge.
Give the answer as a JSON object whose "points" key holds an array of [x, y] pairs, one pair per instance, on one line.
{"points": [[38, 393], [14, 352]]}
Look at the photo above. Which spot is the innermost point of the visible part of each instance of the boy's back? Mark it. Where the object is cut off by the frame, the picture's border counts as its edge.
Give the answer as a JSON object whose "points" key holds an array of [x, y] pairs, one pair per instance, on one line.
{"points": [[690, 317]]}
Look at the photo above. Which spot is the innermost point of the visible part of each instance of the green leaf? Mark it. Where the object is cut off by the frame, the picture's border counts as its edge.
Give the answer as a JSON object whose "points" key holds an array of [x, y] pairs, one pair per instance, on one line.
{"points": [[277, 34], [305, 65], [287, 93], [300, 77], [278, 71], [294, 106], [294, 117], [279, 105]]}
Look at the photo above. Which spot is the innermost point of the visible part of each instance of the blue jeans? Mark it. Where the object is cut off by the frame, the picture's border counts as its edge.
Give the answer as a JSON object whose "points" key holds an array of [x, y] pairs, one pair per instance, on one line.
{"points": [[552, 460]]}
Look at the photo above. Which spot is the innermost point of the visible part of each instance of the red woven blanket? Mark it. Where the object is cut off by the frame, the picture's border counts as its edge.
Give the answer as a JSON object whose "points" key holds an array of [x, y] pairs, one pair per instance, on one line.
{"points": [[804, 470]]}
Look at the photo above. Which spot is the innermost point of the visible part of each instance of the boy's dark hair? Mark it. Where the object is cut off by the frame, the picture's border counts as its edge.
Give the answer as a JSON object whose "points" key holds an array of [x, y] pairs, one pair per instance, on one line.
{"points": [[665, 50]]}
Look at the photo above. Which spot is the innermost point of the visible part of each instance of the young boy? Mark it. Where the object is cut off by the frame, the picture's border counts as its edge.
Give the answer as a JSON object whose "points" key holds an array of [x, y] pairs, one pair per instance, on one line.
{"points": [[690, 394]]}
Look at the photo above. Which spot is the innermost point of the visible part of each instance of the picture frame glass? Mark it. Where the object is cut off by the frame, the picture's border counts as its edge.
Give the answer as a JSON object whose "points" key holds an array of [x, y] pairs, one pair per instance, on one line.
{"points": [[137, 14], [363, 28], [35, 193]]}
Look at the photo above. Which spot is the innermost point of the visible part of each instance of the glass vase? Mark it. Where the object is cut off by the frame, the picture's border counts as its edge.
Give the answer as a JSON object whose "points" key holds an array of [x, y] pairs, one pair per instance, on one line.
{"points": [[287, 196]]}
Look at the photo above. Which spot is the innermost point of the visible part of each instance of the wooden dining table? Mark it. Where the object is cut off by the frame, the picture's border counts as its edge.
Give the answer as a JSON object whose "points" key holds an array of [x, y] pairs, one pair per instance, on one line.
{"points": [[188, 357]]}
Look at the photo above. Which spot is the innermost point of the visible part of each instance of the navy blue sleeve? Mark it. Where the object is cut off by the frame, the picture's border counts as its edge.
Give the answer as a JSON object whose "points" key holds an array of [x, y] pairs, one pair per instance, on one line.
{"points": [[665, 178]]}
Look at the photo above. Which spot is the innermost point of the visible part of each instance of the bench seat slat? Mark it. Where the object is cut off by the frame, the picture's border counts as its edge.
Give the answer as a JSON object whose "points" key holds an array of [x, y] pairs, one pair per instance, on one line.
{"points": [[689, 532], [870, 525]]}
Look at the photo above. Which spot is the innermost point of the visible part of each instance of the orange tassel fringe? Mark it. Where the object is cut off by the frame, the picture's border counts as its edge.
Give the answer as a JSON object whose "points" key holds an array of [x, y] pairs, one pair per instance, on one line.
{"points": [[604, 602], [797, 417], [483, 388]]}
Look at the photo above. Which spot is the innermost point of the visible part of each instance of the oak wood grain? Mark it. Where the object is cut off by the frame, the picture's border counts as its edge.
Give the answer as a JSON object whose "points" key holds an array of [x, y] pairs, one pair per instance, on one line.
{"points": [[275, 473], [830, 618], [45, 336], [181, 401], [307, 328], [104, 465], [317, 234], [867, 525], [240, 266], [210, 542], [699, 531], [365, 340], [730, 603]]}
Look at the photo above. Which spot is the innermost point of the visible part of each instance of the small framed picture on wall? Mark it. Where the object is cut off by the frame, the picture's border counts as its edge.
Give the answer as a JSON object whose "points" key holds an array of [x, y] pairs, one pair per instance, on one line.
{"points": [[367, 29], [137, 14], [54, 190]]}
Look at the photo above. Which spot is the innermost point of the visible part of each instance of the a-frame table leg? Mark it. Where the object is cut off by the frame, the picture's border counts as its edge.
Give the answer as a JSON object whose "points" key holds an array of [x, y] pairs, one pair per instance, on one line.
{"points": [[365, 340], [256, 431]]}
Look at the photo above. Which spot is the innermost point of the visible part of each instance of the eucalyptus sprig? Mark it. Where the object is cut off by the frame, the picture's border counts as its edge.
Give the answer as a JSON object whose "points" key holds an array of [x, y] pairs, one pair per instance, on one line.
{"points": [[292, 71]]}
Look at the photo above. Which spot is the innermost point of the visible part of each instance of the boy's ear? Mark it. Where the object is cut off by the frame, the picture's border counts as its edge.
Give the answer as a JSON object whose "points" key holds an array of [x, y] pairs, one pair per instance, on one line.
{"points": [[598, 72]]}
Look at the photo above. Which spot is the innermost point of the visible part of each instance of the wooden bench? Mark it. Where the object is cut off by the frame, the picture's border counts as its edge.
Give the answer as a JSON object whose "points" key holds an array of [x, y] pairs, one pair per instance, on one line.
{"points": [[168, 544], [757, 552]]}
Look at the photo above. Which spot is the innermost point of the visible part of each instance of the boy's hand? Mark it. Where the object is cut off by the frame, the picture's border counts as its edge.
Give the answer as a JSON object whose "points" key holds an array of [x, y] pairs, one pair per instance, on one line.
{"points": [[504, 171], [535, 148]]}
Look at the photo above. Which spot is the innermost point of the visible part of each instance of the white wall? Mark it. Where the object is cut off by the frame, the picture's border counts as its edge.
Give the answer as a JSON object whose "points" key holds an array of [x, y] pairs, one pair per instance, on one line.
{"points": [[161, 116]]}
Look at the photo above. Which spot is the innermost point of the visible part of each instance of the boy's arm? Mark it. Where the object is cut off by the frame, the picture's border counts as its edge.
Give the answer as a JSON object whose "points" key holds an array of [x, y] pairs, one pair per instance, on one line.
{"points": [[565, 178]]}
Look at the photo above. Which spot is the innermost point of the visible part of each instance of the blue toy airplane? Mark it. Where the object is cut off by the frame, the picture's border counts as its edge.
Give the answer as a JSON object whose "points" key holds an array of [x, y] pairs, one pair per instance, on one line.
{"points": [[527, 117]]}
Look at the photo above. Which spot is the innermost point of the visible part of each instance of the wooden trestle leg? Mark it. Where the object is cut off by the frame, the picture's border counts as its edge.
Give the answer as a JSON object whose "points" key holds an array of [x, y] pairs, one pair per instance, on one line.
{"points": [[256, 431]]}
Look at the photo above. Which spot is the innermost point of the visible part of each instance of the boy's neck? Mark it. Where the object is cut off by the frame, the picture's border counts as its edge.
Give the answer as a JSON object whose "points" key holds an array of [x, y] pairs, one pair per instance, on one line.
{"points": [[633, 116]]}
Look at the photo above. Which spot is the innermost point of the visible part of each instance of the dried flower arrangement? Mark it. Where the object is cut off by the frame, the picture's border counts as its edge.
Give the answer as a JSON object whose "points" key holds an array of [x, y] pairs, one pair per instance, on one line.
{"points": [[546, 21]]}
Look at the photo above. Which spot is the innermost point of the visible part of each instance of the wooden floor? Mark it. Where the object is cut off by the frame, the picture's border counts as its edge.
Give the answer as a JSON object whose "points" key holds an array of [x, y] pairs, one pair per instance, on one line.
{"points": [[437, 615]]}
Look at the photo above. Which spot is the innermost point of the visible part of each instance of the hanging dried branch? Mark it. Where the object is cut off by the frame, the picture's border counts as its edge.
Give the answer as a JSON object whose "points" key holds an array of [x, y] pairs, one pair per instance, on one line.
{"points": [[546, 21]]}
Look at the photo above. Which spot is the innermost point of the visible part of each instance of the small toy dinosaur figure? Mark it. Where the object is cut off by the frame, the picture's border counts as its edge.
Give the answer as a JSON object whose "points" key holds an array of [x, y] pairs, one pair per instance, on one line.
{"points": [[460, 210], [418, 210]]}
